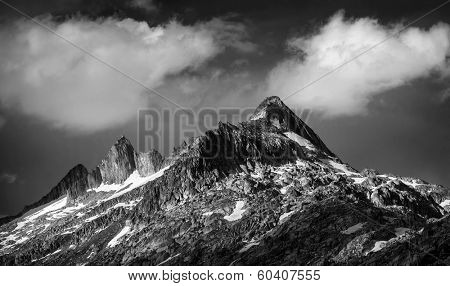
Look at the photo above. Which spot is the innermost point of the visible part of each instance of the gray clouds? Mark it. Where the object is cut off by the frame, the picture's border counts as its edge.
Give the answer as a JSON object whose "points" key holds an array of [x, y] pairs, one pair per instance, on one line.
{"points": [[8, 178]]}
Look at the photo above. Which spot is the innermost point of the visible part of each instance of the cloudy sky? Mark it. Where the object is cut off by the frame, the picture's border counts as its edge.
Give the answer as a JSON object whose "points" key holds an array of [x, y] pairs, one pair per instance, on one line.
{"points": [[67, 94]]}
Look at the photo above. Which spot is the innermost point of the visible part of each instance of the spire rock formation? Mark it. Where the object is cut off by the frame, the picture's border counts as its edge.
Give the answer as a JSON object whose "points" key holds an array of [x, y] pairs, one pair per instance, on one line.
{"points": [[267, 191], [119, 163]]}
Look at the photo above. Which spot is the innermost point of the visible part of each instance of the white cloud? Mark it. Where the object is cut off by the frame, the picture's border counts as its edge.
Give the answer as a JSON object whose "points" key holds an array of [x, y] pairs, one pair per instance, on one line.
{"points": [[8, 178], [416, 53], [44, 77]]}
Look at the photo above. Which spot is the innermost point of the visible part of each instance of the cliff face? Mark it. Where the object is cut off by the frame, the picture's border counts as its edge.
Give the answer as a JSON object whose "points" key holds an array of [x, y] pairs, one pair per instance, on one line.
{"points": [[94, 178], [149, 162], [119, 162], [122, 160]]}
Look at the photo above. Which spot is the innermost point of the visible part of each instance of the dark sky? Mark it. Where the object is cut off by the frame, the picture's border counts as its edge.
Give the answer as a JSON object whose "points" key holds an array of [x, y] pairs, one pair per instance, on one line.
{"points": [[405, 129]]}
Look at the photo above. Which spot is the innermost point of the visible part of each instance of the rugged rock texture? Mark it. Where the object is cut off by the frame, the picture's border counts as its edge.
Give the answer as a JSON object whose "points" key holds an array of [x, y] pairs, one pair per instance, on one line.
{"points": [[119, 163], [94, 178], [272, 111], [74, 184], [263, 192], [149, 162]]}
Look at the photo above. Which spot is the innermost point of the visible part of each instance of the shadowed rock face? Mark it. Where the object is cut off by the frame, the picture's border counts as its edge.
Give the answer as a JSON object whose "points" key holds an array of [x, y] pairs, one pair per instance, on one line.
{"points": [[119, 163], [262, 192], [74, 184], [94, 178]]}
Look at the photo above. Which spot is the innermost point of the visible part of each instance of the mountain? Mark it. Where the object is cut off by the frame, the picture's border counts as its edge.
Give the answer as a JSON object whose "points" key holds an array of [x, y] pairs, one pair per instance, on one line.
{"points": [[267, 191]]}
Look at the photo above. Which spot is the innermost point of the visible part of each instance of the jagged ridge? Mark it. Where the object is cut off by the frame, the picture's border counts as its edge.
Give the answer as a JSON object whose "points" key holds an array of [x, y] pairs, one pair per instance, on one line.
{"points": [[267, 191]]}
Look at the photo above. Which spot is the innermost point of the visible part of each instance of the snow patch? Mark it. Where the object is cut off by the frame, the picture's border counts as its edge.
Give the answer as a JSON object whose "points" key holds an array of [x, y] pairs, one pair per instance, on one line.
{"points": [[168, 259], [65, 211], [93, 217], [300, 163], [300, 140], [237, 212], [359, 180], [135, 181], [343, 168], [401, 231], [445, 203], [50, 254], [71, 229], [413, 185], [354, 228], [116, 239], [128, 205], [53, 207], [285, 215], [92, 254], [105, 188], [57, 251], [248, 246], [284, 190], [379, 245]]}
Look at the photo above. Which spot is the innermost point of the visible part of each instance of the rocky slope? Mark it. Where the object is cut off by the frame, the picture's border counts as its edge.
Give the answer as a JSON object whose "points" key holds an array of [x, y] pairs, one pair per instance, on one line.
{"points": [[263, 192]]}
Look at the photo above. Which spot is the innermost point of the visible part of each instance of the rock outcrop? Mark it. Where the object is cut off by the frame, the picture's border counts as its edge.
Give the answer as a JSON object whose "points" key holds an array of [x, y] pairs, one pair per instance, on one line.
{"points": [[149, 162], [119, 163]]}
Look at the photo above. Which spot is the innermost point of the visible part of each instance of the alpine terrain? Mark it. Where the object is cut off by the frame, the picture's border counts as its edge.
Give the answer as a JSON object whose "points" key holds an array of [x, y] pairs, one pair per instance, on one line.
{"points": [[267, 191]]}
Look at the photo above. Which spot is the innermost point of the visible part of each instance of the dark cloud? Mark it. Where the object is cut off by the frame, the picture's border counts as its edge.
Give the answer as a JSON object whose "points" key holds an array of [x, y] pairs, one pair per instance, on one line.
{"points": [[148, 5]]}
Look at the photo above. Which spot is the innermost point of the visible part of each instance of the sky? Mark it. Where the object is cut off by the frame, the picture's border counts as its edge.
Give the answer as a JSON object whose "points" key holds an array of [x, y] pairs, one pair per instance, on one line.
{"points": [[73, 79]]}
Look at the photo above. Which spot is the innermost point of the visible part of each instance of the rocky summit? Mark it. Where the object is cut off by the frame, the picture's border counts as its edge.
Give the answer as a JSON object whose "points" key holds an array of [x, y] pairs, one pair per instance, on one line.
{"points": [[264, 192]]}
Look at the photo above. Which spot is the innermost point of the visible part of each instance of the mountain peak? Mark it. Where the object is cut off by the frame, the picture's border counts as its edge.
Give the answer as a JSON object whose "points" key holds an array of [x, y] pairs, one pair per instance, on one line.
{"points": [[267, 104], [273, 100], [272, 111], [119, 162], [122, 141]]}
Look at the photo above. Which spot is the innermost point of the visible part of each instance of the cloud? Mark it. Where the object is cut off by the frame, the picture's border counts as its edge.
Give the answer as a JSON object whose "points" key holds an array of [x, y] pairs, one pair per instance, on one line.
{"points": [[148, 5], [44, 77], [415, 53], [8, 178]]}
